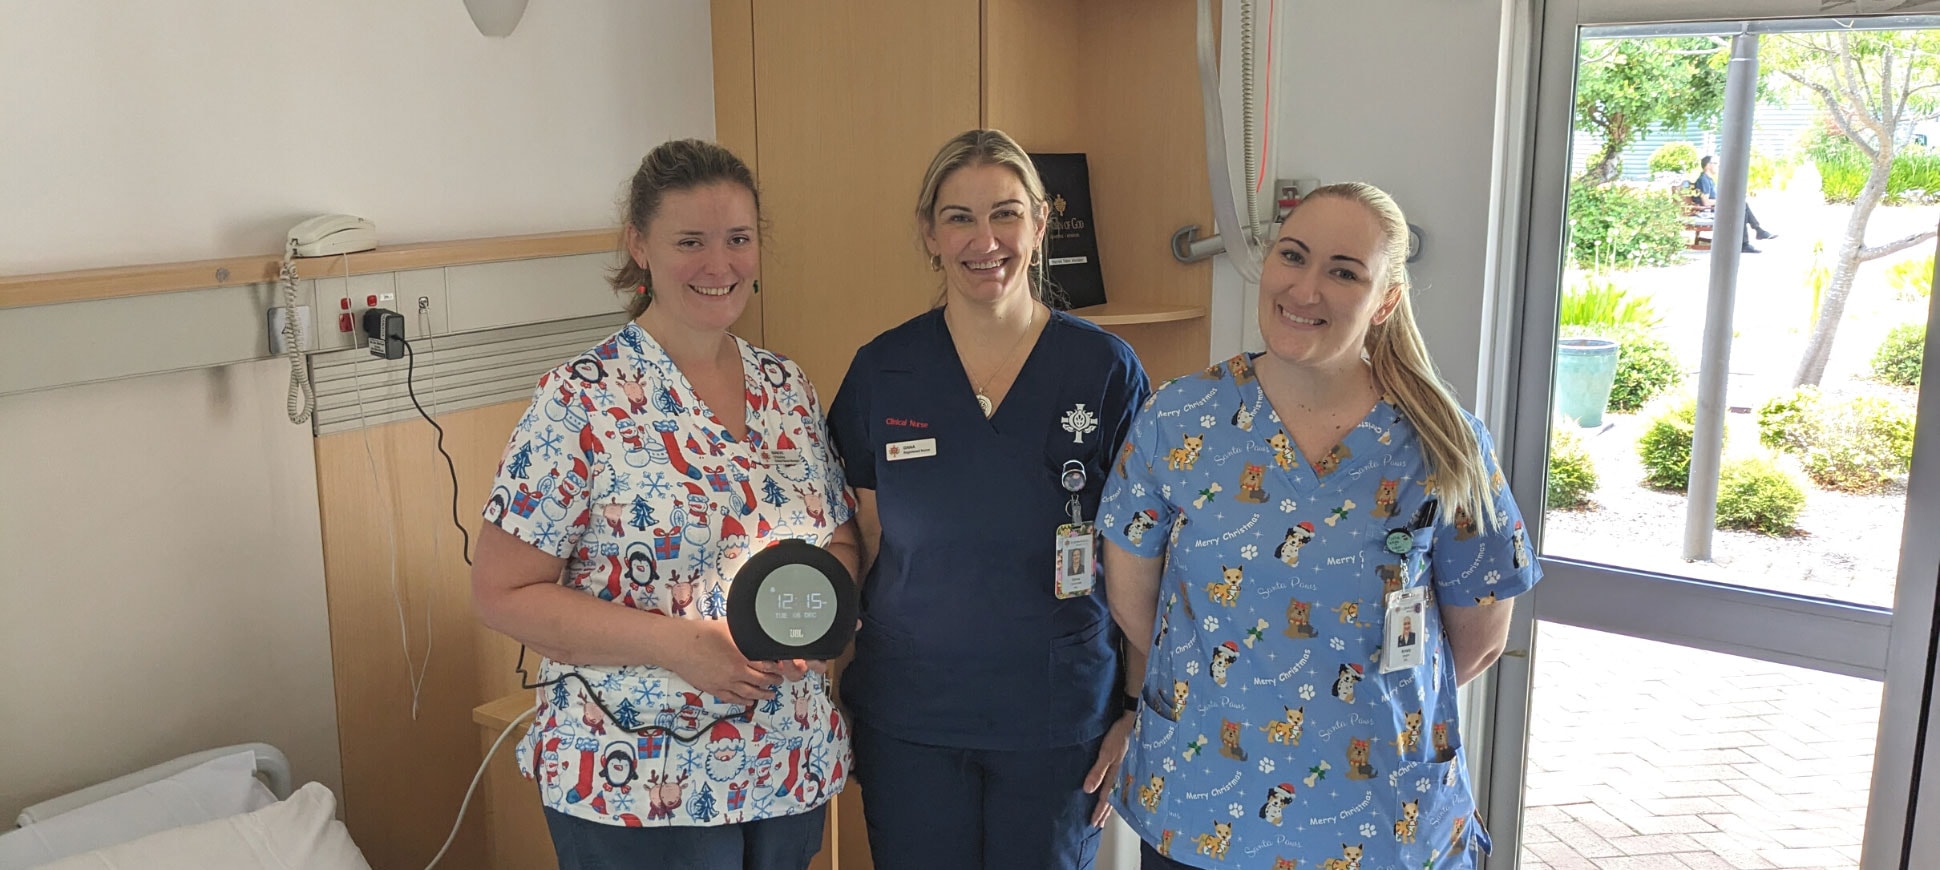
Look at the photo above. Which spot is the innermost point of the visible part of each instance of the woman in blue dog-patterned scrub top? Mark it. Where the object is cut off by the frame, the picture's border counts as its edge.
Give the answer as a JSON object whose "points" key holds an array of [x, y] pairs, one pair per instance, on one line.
{"points": [[1316, 546]]}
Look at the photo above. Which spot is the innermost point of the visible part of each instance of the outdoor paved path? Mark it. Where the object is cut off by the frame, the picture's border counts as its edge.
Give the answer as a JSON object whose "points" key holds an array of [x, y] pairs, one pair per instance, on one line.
{"points": [[1648, 756]]}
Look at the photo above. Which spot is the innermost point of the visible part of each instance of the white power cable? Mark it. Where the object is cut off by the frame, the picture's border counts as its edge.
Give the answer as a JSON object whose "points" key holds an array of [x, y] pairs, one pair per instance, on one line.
{"points": [[467, 802], [413, 673]]}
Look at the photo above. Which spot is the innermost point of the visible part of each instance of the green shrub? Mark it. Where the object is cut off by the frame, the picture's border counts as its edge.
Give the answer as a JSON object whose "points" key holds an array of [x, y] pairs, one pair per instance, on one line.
{"points": [[1786, 422], [1899, 356], [1646, 367], [1594, 301], [1677, 157], [1572, 476], [1665, 446], [1768, 172], [1859, 445], [1843, 169], [1911, 278], [1624, 227], [1757, 495]]}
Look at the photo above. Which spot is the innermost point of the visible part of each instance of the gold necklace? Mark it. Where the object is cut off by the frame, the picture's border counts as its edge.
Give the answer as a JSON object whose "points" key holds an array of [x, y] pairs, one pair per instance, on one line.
{"points": [[983, 401]]}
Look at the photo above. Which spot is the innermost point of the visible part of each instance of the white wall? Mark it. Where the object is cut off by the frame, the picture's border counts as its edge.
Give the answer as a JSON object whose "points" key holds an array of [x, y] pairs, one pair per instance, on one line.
{"points": [[156, 132], [161, 581], [1401, 94]]}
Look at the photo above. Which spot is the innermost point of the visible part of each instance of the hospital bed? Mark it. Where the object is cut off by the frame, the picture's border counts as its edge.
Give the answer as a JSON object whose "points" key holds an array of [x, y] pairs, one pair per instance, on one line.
{"points": [[231, 807]]}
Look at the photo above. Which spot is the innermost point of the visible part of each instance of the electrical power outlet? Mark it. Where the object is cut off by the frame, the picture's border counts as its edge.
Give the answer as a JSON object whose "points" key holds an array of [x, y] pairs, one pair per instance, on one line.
{"points": [[305, 332]]}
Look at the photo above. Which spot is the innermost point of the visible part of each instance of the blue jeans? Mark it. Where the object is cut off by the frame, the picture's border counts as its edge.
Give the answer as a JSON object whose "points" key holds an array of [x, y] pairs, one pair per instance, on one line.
{"points": [[785, 843]]}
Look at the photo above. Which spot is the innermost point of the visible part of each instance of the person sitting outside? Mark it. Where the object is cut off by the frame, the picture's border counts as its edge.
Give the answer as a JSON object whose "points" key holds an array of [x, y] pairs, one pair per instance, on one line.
{"points": [[1706, 195]]}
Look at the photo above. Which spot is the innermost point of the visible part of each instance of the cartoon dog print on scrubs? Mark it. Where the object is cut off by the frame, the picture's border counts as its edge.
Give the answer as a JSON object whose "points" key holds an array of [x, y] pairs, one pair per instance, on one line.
{"points": [[1125, 453], [1298, 625], [1142, 522], [1330, 463], [1243, 419], [1409, 739], [1464, 525], [1350, 858], [1392, 578], [1250, 481], [1223, 657], [1358, 765], [1404, 827], [1521, 544], [1350, 613], [1289, 549], [1148, 795], [1182, 458], [1215, 843], [1277, 799], [1282, 450], [1444, 752], [1385, 498], [1180, 690], [1229, 740], [1286, 731], [1350, 674], [1226, 591]]}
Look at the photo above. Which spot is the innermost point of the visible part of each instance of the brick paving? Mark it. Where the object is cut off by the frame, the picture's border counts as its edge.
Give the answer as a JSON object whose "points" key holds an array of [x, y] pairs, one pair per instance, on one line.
{"points": [[1649, 756]]}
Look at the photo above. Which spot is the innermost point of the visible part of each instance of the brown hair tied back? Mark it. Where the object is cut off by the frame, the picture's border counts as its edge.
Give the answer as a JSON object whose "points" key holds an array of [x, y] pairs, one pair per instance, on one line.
{"points": [[682, 164]]}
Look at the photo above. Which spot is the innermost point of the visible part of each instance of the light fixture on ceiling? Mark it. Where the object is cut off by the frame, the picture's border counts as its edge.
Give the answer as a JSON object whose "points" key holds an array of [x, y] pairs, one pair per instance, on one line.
{"points": [[496, 18]]}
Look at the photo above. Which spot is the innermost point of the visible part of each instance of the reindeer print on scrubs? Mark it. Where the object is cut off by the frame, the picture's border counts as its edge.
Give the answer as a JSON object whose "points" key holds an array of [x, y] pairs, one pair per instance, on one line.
{"points": [[619, 468]]}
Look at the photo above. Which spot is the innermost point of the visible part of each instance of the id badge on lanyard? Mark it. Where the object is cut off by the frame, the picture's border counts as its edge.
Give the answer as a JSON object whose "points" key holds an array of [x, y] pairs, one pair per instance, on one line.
{"points": [[1076, 572]]}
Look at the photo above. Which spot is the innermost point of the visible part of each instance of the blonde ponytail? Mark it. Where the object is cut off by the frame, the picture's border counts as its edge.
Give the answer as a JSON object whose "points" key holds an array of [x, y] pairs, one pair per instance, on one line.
{"points": [[1403, 369]]}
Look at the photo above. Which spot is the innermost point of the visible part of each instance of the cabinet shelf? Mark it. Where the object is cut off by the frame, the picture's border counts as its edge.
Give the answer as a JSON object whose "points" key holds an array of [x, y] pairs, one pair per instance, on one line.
{"points": [[1125, 313]]}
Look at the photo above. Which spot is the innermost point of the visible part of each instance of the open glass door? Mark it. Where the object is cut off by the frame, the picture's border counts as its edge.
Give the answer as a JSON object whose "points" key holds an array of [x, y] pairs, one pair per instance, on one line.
{"points": [[1745, 693]]}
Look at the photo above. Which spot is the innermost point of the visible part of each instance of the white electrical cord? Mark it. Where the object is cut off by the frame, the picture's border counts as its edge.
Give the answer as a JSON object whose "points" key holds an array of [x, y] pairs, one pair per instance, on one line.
{"points": [[467, 802], [303, 397], [414, 674]]}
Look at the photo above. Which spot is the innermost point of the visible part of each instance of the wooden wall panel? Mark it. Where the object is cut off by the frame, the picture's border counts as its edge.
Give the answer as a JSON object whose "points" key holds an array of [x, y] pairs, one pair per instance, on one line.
{"points": [[1033, 51], [1145, 134], [734, 112], [854, 99], [404, 778]]}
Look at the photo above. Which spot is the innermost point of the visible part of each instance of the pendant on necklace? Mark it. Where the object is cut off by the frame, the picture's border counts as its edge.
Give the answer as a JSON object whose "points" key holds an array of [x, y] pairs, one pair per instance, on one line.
{"points": [[983, 402]]}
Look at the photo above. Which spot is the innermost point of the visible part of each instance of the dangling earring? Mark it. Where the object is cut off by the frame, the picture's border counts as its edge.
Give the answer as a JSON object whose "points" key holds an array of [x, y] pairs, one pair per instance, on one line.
{"points": [[1037, 255], [936, 262], [643, 290], [757, 285]]}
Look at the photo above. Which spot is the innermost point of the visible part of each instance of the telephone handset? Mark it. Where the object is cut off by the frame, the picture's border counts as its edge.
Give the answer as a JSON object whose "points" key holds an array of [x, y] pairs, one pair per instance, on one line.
{"points": [[321, 236], [331, 234]]}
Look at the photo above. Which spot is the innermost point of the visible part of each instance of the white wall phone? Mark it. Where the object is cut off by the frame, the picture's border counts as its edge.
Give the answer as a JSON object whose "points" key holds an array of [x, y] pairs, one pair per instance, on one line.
{"points": [[330, 234], [321, 236]]}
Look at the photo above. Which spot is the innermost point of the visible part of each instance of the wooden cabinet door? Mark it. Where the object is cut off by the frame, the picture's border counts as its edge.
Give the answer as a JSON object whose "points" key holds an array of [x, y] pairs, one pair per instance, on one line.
{"points": [[851, 101]]}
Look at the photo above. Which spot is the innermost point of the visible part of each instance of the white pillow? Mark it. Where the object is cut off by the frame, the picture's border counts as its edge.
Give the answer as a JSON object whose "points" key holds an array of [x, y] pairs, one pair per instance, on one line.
{"points": [[214, 789], [302, 832]]}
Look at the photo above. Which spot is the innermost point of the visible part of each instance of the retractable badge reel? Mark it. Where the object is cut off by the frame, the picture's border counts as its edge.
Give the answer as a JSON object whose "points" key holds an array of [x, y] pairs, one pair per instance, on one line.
{"points": [[793, 600], [1077, 569]]}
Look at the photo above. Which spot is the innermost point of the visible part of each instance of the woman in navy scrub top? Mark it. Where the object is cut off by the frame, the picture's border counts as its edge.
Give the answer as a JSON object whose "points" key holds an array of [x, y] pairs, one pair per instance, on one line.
{"points": [[987, 707], [1315, 549]]}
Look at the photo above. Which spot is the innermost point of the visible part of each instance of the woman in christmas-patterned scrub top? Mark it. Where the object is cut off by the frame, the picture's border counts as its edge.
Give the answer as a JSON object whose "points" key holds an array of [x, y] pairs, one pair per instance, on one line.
{"points": [[1275, 529], [647, 471]]}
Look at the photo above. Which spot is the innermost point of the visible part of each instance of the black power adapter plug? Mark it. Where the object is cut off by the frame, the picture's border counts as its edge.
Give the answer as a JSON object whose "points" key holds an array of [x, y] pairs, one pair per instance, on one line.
{"points": [[384, 330]]}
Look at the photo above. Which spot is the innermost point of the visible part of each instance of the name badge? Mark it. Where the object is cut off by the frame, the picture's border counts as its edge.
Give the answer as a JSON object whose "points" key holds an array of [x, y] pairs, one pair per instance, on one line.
{"points": [[1402, 646], [779, 458], [1077, 569], [900, 450]]}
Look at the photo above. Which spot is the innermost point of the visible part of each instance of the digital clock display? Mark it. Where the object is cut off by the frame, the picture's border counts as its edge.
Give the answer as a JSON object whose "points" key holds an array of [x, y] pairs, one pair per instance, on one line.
{"points": [[797, 605]]}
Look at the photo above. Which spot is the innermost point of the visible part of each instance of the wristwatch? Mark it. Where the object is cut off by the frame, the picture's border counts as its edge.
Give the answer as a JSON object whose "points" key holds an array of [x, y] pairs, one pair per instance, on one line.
{"points": [[1129, 703]]}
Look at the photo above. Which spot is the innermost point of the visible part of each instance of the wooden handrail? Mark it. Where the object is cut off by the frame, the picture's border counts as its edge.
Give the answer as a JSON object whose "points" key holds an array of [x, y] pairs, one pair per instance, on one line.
{"points": [[120, 281]]}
